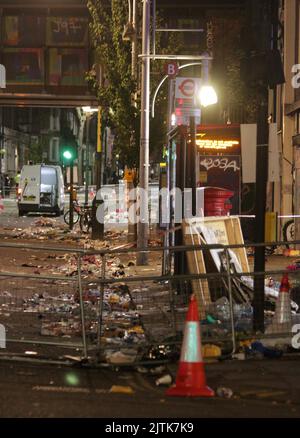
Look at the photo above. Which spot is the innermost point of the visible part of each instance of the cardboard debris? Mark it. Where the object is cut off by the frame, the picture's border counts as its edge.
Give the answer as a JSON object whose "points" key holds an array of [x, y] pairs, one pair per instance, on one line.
{"points": [[121, 390]]}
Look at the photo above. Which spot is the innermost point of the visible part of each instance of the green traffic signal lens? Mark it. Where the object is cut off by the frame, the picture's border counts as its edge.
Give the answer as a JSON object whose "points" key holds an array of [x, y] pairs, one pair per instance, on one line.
{"points": [[67, 155]]}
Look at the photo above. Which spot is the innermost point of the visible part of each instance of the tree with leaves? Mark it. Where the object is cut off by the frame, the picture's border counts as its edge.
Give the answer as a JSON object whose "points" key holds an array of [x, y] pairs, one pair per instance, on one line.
{"points": [[117, 86]]}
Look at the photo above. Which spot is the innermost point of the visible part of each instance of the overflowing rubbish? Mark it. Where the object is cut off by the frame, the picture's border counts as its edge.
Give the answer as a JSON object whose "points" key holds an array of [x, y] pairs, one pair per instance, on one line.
{"points": [[219, 316], [128, 324], [45, 228], [58, 315]]}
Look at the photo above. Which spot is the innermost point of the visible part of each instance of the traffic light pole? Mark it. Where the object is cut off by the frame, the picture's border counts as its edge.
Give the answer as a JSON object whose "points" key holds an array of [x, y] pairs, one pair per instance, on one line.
{"points": [[71, 195], [98, 226], [87, 159]]}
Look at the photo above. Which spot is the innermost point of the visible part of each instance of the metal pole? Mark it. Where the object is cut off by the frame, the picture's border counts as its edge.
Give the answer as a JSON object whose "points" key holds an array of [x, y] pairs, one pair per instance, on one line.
{"points": [[191, 164], [154, 27], [166, 253], [71, 195], [258, 13], [230, 301], [101, 301], [87, 156], [261, 198], [98, 227], [132, 226], [81, 308], [143, 225], [134, 42]]}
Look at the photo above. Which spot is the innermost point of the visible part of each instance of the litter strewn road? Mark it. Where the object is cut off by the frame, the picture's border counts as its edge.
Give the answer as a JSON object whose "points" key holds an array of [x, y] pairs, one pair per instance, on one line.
{"points": [[260, 389]]}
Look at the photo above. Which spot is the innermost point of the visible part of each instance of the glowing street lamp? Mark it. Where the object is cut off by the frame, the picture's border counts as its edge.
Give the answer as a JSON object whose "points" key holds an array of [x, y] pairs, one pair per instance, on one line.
{"points": [[207, 96]]}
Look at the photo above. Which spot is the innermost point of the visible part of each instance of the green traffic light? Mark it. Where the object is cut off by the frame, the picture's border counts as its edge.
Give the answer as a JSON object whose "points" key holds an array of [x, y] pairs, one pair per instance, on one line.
{"points": [[67, 155]]}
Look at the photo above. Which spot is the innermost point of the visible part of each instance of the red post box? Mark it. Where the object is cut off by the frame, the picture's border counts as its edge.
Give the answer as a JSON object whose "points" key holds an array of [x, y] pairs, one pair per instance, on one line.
{"points": [[216, 201]]}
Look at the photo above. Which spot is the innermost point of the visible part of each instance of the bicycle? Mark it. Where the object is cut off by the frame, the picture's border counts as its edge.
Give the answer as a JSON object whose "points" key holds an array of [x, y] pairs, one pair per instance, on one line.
{"points": [[81, 214]]}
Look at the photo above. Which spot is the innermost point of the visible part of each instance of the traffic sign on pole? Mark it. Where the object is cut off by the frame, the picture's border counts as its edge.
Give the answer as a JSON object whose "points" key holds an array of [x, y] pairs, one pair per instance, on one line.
{"points": [[187, 88], [171, 69], [186, 104]]}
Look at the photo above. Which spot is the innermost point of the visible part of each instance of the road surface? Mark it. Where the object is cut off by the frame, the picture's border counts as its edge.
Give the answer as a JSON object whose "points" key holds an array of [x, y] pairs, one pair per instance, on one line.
{"points": [[261, 389], [115, 201]]}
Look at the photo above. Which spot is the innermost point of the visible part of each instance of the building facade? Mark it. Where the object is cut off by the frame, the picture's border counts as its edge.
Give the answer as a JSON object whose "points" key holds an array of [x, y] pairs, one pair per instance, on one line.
{"points": [[35, 134], [287, 190]]}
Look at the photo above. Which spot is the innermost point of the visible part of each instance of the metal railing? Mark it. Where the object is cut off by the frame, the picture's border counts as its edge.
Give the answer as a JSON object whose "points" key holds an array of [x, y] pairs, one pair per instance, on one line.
{"points": [[110, 314]]}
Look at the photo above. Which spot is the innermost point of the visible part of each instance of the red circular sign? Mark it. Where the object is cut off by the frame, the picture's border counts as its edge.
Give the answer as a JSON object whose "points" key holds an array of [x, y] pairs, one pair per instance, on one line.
{"points": [[187, 87], [171, 69]]}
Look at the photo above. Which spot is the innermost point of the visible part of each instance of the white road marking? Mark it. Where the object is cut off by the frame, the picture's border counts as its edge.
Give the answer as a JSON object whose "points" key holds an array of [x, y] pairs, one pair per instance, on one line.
{"points": [[64, 389]]}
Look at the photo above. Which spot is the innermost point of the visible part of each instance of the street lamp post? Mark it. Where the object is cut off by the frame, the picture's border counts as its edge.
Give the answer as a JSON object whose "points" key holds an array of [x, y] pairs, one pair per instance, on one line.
{"points": [[207, 96], [130, 34], [143, 224], [69, 160], [71, 194]]}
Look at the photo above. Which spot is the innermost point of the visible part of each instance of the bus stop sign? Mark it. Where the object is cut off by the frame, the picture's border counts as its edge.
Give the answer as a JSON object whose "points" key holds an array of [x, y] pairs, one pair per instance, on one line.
{"points": [[171, 69]]}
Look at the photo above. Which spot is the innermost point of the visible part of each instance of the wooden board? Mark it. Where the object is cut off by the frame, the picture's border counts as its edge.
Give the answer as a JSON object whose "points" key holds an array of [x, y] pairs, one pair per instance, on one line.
{"points": [[221, 230], [196, 265]]}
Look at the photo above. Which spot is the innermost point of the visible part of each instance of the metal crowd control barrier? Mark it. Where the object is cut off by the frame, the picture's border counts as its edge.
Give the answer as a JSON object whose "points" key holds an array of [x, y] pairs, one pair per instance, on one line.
{"points": [[38, 311], [137, 317], [229, 317]]}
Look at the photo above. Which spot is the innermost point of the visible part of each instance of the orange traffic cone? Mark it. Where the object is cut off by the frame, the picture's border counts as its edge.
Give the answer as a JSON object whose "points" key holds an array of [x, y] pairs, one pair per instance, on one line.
{"points": [[282, 319], [191, 381]]}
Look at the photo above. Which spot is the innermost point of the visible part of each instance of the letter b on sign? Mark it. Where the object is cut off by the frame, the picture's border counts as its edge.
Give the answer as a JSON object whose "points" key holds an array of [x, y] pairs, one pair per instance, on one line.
{"points": [[171, 69]]}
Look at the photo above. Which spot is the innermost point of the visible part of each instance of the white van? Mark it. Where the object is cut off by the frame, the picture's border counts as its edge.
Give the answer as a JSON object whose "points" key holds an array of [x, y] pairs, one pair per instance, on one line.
{"points": [[41, 189]]}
